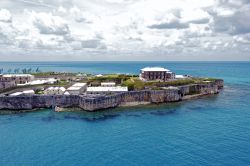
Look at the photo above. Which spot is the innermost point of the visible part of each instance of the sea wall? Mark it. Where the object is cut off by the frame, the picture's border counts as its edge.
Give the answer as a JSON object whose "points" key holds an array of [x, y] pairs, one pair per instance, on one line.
{"points": [[205, 88], [95, 102], [102, 102]]}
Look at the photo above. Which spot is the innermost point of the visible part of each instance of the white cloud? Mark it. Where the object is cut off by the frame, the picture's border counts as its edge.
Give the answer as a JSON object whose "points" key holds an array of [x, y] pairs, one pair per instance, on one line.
{"points": [[170, 21], [5, 15], [46, 23], [195, 16], [126, 27], [77, 14]]}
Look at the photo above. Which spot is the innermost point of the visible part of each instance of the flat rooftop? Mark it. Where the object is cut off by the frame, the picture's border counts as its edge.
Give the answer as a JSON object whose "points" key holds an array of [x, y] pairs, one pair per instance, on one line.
{"points": [[74, 88], [79, 84], [155, 69], [17, 75]]}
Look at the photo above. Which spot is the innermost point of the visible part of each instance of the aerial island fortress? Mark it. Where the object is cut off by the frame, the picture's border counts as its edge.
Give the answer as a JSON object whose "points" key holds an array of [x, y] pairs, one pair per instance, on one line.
{"points": [[58, 90]]}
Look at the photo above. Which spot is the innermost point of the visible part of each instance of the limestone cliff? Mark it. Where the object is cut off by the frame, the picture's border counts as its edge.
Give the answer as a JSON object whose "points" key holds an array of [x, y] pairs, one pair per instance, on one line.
{"points": [[96, 102]]}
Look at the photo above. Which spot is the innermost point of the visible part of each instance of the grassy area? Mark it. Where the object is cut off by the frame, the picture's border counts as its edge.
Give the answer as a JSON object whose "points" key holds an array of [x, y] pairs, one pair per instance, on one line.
{"points": [[136, 84], [117, 78], [209, 79], [39, 92]]}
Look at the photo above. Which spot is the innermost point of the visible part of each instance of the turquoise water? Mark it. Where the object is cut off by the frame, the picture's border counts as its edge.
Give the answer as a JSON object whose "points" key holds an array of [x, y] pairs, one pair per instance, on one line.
{"points": [[211, 130]]}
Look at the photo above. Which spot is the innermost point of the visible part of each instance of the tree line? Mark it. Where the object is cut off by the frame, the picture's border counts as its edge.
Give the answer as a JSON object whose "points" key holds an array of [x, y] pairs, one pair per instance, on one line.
{"points": [[20, 70]]}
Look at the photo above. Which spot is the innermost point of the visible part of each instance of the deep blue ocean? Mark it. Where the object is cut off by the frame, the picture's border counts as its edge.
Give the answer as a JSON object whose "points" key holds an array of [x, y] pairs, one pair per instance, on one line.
{"points": [[213, 130]]}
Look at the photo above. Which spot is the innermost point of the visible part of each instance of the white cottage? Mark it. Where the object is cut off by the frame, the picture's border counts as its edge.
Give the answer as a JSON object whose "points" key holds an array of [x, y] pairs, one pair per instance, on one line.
{"points": [[54, 91], [77, 88]]}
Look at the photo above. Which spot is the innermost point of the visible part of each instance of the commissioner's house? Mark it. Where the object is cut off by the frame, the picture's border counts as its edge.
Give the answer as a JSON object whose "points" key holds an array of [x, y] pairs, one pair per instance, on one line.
{"points": [[156, 73]]}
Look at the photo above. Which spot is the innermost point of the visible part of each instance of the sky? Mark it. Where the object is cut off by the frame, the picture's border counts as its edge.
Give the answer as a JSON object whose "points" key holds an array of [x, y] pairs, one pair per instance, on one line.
{"points": [[124, 30]]}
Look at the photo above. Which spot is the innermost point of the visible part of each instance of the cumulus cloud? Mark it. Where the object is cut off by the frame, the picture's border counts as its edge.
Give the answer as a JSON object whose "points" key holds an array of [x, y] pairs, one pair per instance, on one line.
{"points": [[77, 14], [46, 23], [196, 16], [93, 43], [5, 15], [230, 17], [126, 27], [170, 21]]}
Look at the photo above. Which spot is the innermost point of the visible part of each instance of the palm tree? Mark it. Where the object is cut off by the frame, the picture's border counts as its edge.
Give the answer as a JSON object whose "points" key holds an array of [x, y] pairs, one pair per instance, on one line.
{"points": [[37, 70], [29, 70], [24, 71]]}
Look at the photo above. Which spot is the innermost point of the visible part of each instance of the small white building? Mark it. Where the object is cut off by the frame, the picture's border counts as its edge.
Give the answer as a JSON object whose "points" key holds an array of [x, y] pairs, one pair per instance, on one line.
{"points": [[54, 91], [180, 77], [101, 89], [108, 84], [99, 75], [77, 88]]}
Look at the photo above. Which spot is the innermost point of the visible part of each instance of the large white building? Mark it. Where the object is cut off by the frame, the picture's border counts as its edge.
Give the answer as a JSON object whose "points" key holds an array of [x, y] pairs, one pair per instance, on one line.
{"points": [[54, 91], [11, 80], [18, 78], [77, 88], [156, 73], [4, 84]]}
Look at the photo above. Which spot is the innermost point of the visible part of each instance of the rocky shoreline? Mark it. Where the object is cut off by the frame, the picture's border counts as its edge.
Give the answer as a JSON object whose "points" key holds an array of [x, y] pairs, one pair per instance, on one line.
{"points": [[98, 102]]}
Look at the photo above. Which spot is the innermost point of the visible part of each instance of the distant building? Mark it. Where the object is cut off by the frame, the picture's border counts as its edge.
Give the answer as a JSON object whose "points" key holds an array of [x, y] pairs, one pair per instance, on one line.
{"points": [[4, 84], [54, 91], [77, 88], [156, 73], [39, 82], [99, 75], [101, 89], [108, 84], [180, 77], [18, 78]]}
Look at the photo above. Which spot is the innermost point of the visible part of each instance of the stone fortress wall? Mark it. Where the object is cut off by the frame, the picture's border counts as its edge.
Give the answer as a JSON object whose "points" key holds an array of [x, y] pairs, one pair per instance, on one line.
{"points": [[97, 102]]}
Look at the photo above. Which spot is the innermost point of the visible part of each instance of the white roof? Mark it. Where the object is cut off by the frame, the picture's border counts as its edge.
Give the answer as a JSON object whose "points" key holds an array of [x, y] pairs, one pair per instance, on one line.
{"points": [[38, 82], [154, 69], [62, 88], [99, 75], [16, 94], [172, 87], [106, 89], [56, 88], [17, 75], [29, 91], [51, 80], [179, 76], [66, 93], [74, 88], [79, 84], [108, 83]]}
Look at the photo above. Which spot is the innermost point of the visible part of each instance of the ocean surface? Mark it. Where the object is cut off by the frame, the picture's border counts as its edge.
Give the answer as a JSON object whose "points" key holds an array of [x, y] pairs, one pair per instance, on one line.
{"points": [[213, 130]]}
